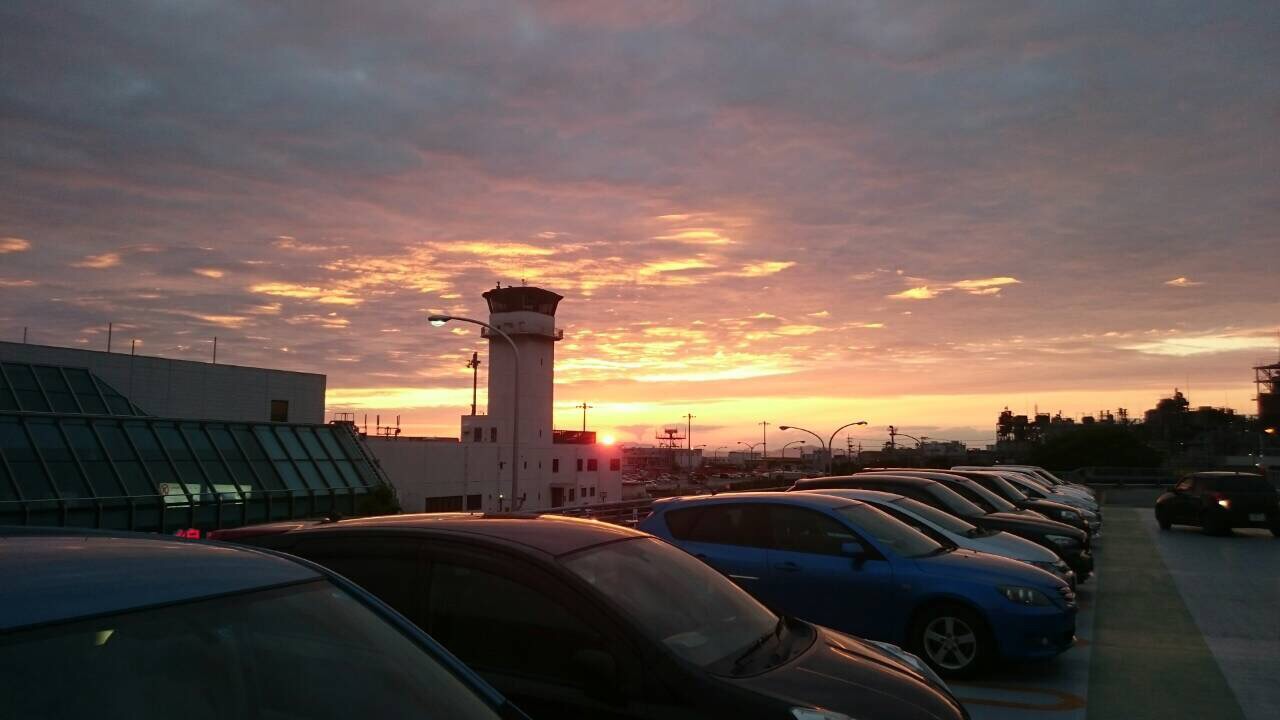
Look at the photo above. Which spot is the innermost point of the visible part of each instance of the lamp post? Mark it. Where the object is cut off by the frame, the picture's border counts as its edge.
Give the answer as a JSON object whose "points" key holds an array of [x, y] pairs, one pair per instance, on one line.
{"points": [[893, 432], [827, 445], [516, 501], [751, 449], [793, 442], [716, 452]]}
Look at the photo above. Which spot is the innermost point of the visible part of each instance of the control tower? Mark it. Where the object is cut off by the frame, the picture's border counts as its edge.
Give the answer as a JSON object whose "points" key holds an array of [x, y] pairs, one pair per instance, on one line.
{"points": [[528, 316]]}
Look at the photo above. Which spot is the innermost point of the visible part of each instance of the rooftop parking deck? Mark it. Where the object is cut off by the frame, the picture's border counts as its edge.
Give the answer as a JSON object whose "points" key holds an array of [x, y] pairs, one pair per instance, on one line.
{"points": [[1174, 624]]}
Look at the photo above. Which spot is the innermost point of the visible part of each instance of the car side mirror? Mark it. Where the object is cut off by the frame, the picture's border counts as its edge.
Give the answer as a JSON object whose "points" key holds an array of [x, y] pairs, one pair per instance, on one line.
{"points": [[600, 671]]}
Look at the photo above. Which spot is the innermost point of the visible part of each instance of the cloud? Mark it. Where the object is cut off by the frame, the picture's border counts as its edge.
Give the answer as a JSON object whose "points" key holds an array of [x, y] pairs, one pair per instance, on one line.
{"points": [[208, 272], [13, 245], [1182, 282], [761, 269], [99, 262], [697, 236], [1189, 345], [983, 286], [917, 293]]}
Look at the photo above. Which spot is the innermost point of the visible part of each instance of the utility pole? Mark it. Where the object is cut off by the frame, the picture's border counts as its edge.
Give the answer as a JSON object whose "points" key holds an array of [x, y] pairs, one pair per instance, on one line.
{"points": [[584, 407], [764, 444], [109, 327], [688, 431], [474, 364], [215, 349]]}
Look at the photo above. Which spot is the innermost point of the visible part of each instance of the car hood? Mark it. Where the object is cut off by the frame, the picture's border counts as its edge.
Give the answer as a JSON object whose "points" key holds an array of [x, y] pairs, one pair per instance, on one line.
{"points": [[1012, 546], [1001, 521], [839, 672], [994, 570]]}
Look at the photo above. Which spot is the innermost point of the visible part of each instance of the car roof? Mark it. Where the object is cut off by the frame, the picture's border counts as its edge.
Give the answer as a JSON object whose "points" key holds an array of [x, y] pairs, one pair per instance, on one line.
{"points": [[54, 577], [856, 494], [807, 499], [552, 534], [1223, 473]]}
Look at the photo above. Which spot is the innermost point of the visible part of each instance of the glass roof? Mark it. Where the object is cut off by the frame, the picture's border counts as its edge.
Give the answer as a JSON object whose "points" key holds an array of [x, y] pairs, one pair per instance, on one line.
{"points": [[50, 388], [157, 475]]}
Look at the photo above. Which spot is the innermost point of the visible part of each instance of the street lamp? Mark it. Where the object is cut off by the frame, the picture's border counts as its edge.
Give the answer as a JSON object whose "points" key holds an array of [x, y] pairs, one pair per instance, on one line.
{"points": [[516, 499], [716, 452], [793, 442], [751, 449], [827, 445]]}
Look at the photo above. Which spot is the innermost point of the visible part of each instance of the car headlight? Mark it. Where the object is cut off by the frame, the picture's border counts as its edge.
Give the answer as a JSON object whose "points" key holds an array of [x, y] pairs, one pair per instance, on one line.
{"points": [[1063, 541], [804, 713], [1024, 595], [1070, 516]]}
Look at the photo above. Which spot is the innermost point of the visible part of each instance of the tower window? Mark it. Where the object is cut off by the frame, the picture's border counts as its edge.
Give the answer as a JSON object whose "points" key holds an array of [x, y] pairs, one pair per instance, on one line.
{"points": [[615, 463], [555, 465], [477, 434], [493, 434], [579, 464], [592, 465]]}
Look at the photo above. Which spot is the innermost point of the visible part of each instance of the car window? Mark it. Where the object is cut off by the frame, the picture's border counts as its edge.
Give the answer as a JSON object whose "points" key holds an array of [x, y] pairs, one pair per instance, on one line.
{"points": [[1183, 485], [797, 529], [307, 651], [948, 500], [386, 567], [943, 520], [731, 524], [713, 620], [891, 534], [496, 623], [1238, 483]]}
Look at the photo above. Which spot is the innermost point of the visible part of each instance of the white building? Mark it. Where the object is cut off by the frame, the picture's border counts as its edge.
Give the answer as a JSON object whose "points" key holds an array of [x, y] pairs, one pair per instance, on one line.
{"points": [[190, 390], [556, 468]]}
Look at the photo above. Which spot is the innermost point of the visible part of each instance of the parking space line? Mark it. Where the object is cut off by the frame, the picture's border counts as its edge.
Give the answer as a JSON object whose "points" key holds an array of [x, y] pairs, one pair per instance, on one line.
{"points": [[1063, 701]]}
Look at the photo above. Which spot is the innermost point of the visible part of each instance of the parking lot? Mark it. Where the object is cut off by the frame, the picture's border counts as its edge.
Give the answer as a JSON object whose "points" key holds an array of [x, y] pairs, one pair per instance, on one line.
{"points": [[1175, 624]]}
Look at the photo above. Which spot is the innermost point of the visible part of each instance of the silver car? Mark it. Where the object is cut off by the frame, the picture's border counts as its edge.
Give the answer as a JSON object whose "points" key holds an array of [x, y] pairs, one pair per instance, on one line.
{"points": [[944, 527]]}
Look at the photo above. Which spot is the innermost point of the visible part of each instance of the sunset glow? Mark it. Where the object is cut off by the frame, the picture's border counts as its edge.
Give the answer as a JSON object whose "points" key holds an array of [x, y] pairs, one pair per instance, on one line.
{"points": [[918, 227]]}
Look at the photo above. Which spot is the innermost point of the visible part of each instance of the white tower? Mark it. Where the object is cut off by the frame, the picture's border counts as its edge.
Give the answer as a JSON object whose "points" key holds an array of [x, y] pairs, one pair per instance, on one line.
{"points": [[528, 315]]}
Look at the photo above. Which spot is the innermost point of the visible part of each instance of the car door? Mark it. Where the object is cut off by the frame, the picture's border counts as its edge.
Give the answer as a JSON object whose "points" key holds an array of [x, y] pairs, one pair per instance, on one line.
{"points": [[389, 566], [812, 576], [536, 639], [730, 537]]}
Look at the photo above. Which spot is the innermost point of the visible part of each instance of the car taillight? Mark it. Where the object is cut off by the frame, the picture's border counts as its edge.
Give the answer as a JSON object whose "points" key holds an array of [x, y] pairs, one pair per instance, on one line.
{"points": [[1222, 501]]}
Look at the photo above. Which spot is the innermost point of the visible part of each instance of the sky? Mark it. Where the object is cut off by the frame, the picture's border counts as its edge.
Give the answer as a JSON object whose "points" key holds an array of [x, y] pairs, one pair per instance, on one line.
{"points": [[789, 212]]}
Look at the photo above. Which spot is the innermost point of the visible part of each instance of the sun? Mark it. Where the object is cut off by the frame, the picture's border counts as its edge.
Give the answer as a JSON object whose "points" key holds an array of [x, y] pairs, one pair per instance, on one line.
{"points": [[608, 440]]}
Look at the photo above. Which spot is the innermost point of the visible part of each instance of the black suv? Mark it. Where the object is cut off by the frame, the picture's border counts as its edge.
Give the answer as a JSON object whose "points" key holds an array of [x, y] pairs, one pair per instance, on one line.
{"points": [[1219, 501], [1069, 543]]}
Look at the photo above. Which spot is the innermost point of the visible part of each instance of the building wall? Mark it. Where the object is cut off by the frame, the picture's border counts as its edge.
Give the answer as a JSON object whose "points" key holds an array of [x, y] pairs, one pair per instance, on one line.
{"points": [[422, 470], [189, 389]]}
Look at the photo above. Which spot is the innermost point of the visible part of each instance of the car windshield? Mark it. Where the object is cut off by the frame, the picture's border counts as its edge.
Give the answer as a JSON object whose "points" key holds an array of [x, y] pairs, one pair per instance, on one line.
{"points": [[1033, 487], [890, 533], [1004, 488], [990, 498], [305, 651], [677, 599], [936, 517], [955, 504]]}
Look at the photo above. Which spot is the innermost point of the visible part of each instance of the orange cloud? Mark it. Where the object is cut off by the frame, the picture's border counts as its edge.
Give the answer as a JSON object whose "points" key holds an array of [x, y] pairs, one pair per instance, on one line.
{"points": [[13, 244], [99, 262]]}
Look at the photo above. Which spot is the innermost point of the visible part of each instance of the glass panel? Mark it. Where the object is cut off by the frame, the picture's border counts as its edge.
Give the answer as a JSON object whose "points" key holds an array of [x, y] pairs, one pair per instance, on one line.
{"points": [[349, 476], [265, 471], [366, 473], [183, 461], [56, 389], [93, 459], [310, 442], [123, 458], [291, 444], [232, 456], [149, 447], [24, 387], [58, 459], [331, 477], [28, 473], [7, 491], [7, 400], [310, 474], [82, 384], [269, 442], [330, 442]]}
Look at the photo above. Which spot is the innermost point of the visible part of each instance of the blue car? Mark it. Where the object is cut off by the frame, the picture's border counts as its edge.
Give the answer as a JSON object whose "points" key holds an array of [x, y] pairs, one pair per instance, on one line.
{"points": [[846, 565], [120, 625]]}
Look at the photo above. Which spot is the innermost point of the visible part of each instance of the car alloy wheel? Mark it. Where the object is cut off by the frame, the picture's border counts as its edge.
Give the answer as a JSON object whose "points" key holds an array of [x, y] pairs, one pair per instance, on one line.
{"points": [[951, 643]]}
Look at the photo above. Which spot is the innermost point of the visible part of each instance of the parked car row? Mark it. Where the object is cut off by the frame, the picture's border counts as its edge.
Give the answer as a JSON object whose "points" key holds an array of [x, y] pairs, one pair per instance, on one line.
{"points": [[757, 605]]}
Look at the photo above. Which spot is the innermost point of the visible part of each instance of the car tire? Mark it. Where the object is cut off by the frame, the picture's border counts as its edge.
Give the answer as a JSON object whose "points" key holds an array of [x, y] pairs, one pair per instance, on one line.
{"points": [[953, 639], [1275, 528], [1163, 521]]}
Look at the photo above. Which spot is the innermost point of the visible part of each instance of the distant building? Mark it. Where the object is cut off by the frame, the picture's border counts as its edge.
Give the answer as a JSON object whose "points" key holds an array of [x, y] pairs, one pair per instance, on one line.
{"points": [[558, 468], [644, 458], [188, 389]]}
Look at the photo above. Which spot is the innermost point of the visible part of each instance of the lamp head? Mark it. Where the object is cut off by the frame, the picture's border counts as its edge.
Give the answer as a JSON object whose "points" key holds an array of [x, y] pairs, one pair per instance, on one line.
{"points": [[861, 422], [438, 320], [784, 427]]}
